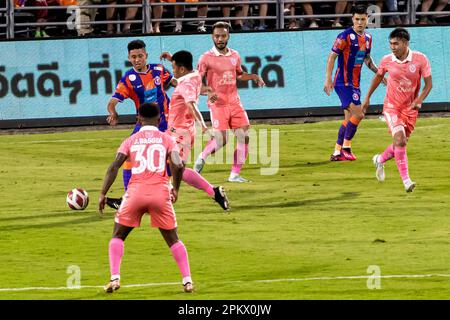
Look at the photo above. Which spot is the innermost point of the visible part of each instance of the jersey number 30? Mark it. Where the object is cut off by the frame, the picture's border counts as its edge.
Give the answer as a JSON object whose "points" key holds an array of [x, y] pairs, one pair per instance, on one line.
{"points": [[147, 160]]}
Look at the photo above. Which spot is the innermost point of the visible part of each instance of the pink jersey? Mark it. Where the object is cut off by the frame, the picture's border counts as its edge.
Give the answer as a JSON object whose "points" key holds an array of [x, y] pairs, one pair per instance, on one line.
{"points": [[187, 90], [148, 150], [403, 82], [221, 73]]}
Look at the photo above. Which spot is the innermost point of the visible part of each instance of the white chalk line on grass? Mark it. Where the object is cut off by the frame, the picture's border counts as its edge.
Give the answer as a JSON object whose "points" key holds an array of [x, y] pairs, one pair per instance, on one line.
{"points": [[394, 276]]}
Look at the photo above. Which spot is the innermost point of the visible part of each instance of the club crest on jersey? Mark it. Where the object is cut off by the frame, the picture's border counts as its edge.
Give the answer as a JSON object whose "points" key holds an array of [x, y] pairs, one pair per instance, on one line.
{"points": [[157, 81], [352, 36], [355, 96], [233, 61], [132, 77], [412, 68]]}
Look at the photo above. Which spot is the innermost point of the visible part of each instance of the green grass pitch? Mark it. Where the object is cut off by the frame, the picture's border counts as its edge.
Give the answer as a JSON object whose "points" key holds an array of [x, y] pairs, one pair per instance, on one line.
{"points": [[308, 232]]}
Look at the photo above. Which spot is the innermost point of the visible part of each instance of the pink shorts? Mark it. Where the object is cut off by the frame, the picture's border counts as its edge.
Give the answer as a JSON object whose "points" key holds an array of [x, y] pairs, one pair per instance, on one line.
{"points": [[395, 118], [185, 140], [154, 200], [229, 117]]}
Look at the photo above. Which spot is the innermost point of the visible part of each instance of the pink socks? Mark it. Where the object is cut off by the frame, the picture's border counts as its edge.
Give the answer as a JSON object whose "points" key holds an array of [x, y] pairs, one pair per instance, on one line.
{"points": [[116, 248], [240, 155], [402, 162], [387, 154], [210, 147], [180, 255], [194, 179]]}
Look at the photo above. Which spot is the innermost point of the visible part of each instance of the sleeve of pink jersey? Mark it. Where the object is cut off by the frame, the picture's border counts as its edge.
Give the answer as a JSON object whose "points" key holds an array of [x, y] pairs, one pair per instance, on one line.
{"points": [[171, 143], [239, 70], [382, 68], [202, 66], [425, 67], [188, 92], [125, 147]]}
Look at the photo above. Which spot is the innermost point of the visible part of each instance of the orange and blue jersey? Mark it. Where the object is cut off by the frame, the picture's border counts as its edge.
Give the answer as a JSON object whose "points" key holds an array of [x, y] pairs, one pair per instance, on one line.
{"points": [[144, 87], [352, 49]]}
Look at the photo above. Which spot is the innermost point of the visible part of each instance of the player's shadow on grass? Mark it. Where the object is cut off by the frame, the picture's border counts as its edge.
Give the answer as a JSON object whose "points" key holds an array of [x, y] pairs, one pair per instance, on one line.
{"points": [[39, 216], [40, 226], [290, 204]]}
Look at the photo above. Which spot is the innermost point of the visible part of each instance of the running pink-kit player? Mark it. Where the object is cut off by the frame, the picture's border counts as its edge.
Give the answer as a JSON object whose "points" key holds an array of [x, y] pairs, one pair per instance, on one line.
{"points": [[182, 117], [222, 67], [406, 68], [148, 191]]}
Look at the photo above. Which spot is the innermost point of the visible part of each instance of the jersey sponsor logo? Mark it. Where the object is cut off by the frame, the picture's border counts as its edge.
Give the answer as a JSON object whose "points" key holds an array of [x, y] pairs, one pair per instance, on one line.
{"points": [[412, 68], [137, 87], [227, 78], [132, 77], [360, 55], [157, 81], [158, 68], [405, 85]]}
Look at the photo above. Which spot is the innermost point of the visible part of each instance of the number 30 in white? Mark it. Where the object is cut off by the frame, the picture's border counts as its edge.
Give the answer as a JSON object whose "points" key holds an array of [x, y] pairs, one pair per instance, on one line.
{"points": [[147, 161]]}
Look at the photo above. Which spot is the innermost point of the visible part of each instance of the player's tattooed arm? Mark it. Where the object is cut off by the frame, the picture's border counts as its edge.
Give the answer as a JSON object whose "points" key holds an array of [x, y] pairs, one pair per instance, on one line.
{"points": [[110, 177], [372, 66]]}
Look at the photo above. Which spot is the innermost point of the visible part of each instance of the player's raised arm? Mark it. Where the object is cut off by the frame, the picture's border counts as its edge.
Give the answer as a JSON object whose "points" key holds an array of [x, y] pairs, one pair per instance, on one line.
{"points": [[113, 117], [328, 86], [110, 177]]}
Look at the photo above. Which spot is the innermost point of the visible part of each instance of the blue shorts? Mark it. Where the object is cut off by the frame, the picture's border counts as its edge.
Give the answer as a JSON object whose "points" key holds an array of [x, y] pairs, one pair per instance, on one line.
{"points": [[347, 95]]}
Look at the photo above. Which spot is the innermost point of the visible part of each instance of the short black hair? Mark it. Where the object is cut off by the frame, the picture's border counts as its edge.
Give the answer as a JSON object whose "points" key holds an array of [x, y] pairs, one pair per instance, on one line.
{"points": [[183, 58], [149, 110], [400, 33], [136, 44], [221, 25], [359, 9]]}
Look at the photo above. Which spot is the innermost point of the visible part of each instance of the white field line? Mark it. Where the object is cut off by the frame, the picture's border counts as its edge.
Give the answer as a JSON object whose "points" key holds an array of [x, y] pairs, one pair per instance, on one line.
{"points": [[404, 276]]}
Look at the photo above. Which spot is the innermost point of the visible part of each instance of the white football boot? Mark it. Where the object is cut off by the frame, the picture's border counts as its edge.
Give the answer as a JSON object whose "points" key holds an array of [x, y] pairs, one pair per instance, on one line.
{"points": [[379, 173]]}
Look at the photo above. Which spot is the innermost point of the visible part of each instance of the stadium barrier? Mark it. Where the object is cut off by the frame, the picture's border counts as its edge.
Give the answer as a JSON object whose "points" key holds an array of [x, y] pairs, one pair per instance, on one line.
{"points": [[73, 19], [70, 81]]}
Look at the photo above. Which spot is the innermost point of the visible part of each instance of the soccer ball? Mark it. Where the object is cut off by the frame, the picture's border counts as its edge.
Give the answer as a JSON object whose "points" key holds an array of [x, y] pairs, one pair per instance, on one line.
{"points": [[77, 199]]}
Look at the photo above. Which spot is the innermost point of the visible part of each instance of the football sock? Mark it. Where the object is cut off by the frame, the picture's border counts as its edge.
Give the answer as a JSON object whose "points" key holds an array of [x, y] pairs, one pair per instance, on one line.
{"points": [[350, 131], [402, 162], [194, 179], [210, 147], [180, 255], [116, 248], [240, 155], [341, 134], [387, 154], [337, 150]]}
